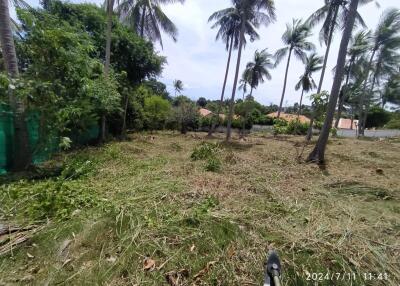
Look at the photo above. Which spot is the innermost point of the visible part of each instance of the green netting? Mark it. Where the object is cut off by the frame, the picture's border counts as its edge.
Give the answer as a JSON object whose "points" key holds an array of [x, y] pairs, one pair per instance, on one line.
{"points": [[41, 147]]}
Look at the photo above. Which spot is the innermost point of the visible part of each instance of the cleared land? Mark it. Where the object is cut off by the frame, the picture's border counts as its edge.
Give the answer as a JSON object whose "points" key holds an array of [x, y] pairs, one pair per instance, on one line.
{"points": [[150, 214]]}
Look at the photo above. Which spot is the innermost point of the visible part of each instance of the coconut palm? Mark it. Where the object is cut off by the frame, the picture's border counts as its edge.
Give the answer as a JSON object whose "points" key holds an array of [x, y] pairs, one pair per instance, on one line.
{"points": [[178, 86], [385, 42], [228, 23], [147, 18], [306, 82], [360, 44], [391, 91], [295, 40], [22, 155], [257, 13], [318, 153], [257, 70], [333, 15]]}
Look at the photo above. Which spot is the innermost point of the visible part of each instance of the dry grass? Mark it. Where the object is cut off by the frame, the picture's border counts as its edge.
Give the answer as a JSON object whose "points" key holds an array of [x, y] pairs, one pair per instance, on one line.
{"points": [[213, 228]]}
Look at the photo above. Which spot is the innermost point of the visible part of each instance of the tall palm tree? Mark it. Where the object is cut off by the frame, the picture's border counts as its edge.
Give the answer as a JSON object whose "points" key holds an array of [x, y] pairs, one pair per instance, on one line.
{"points": [[318, 153], [295, 40], [109, 4], [228, 23], [178, 86], [147, 18], [359, 47], [306, 82], [333, 14], [250, 11], [257, 70], [391, 90], [21, 153], [385, 39]]}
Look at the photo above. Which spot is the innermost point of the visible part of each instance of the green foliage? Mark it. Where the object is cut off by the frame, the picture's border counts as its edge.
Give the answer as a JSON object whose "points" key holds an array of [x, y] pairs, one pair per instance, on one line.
{"points": [[377, 117], [213, 164], [204, 151], [156, 110], [294, 127], [184, 115], [105, 95], [394, 123]]}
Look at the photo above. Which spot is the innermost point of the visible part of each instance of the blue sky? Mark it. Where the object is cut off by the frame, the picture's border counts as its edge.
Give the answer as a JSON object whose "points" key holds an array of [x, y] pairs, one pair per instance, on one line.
{"points": [[199, 61]]}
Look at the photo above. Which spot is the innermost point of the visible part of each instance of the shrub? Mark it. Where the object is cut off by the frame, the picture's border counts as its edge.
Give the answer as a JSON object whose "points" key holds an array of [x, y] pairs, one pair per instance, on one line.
{"points": [[213, 164], [393, 124], [204, 151], [294, 127]]}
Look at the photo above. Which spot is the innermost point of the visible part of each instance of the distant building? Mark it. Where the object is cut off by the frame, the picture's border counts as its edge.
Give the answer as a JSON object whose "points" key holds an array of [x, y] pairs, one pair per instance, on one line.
{"points": [[290, 117], [208, 113], [345, 123]]}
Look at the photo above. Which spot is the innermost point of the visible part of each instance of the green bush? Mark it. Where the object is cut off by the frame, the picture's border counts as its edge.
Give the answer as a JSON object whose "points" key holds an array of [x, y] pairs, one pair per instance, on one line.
{"points": [[204, 151], [377, 117], [264, 120], [213, 164], [294, 127], [393, 124]]}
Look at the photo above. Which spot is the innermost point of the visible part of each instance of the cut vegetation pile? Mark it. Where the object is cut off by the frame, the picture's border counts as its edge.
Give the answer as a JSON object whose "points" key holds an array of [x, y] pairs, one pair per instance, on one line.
{"points": [[175, 210]]}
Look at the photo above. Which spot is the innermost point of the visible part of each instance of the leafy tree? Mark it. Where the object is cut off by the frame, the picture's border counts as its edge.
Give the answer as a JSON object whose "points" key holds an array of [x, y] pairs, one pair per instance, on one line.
{"points": [[391, 91], [156, 111], [184, 114], [250, 11], [22, 155], [318, 153], [147, 19], [306, 82], [377, 117], [295, 40]]}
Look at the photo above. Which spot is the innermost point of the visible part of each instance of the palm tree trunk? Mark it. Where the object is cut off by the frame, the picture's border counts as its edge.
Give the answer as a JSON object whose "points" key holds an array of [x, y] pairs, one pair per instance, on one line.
{"points": [[232, 102], [284, 83], [142, 22], [21, 153], [124, 117], [328, 48], [342, 96], [216, 120], [110, 5], [245, 114], [301, 102], [363, 97], [318, 153], [364, 121]]}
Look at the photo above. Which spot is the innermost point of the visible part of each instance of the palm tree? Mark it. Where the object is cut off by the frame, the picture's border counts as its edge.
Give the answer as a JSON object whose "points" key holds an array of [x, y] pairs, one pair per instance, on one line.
{"points": [[110, 11], [250, 11], [318, 153], [359, 46], [257, 70], [295, 40], [21, 153], [178, 86], [391, 91], [306, 82], [334, 14], [228, 22], [147, 18], [385, 40]]}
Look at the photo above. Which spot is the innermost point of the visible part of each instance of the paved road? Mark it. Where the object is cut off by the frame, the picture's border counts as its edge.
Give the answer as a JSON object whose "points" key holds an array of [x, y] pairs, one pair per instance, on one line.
{"points": [[370, 133]]}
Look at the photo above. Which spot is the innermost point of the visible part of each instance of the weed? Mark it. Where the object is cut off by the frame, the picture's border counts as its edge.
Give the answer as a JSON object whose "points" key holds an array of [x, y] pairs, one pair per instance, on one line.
{"points": [[213, 164], [204, 151]]}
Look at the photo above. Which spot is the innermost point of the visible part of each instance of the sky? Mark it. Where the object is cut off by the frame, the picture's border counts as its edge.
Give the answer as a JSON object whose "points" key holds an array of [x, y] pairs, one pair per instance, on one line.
{"points": [[200, 62]]}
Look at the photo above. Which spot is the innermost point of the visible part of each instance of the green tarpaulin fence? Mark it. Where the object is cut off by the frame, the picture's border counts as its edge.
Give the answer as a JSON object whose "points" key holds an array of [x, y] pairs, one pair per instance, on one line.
{"points": [[41, 148]]}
